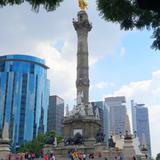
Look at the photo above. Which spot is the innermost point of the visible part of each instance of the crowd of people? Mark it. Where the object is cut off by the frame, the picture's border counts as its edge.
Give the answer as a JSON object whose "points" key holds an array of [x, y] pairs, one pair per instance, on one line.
{"points": [[72, 154], [75, 155], [51, 156]]}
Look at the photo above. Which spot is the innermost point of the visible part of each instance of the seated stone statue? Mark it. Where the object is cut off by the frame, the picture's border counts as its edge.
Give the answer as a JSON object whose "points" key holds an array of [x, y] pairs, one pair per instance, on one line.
{"points": [[127, 135], [78, 139], [111, 143], [50, 140], [68, 141], [100, 136]]}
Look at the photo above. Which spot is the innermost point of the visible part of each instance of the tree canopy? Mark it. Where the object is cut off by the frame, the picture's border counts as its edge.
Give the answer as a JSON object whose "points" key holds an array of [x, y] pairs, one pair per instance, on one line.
{"points": [[37, 144], [124, 12], [158, 156], [49, 5], [128, 14]]}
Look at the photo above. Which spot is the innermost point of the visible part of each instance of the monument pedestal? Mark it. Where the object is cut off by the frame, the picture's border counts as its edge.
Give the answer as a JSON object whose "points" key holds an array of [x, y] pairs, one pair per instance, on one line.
{"points": [[100, 147], [47, 149], [98, 150], [5, 143], [111, 153], [4, 149], [61, 152], [86, 126], [128, 149], [144, 154]]}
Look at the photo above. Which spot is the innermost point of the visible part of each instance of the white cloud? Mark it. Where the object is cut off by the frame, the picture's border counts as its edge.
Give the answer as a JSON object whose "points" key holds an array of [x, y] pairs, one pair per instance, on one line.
{"points": [[147, 92], [102, 85], [122, 51], [62, 71], [38, 34]]}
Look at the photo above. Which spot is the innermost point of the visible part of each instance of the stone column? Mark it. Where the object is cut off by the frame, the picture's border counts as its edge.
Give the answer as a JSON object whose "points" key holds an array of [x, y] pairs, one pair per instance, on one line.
{"points": [[82, 27]]}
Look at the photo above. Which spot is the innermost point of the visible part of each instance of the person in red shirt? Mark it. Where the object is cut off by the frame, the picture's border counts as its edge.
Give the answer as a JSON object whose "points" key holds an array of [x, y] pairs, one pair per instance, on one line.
{"points": [[46, 157]]}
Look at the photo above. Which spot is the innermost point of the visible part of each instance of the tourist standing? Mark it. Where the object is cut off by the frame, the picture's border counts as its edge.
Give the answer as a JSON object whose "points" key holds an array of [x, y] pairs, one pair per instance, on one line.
{"points": [[91, 156], [52, 157], [70, 155], [45, 157], [84, 156]]}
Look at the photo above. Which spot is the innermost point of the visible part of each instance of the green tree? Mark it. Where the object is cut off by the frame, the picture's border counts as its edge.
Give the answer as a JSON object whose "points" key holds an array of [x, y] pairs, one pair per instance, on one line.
{"points": [[125, 12], [158, 156], [49, 5], [128, 14], [37, 144]]}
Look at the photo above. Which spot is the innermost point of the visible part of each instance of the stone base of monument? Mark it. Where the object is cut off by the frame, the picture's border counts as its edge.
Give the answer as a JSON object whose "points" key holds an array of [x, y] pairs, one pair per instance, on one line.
{"points": [[61, 152], [111, 153], [100, 147], [86, 126], [47, 149], [4, 149], [144, 155], [102, 150], [128, 149], [97, 150]]}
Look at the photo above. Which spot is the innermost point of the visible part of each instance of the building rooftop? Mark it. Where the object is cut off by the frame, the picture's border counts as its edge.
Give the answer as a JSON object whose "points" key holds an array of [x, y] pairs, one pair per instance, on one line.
{"points": [[24, 58]]}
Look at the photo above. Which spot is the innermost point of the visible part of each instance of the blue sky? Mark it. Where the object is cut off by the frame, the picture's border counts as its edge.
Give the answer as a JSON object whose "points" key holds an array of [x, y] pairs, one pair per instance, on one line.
{"points": [[121, 63], [137, 62]]}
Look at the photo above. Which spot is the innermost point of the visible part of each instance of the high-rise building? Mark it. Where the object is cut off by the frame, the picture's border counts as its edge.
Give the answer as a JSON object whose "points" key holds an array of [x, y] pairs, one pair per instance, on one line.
{"points": [[117, 113], [104, 117], [56, 114], [140, 122], [24, 95], [106, 122], [100, 106]]}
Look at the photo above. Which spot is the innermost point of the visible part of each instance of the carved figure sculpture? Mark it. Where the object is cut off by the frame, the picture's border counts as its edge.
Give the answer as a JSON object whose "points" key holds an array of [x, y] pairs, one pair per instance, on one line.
{"points": [[111, 143], [76, 140], [80, 98], [127, 135], [50, 140], [82, 4], [82, 110], [90, 110], [68, 141], [97, 113], [100, 136]]}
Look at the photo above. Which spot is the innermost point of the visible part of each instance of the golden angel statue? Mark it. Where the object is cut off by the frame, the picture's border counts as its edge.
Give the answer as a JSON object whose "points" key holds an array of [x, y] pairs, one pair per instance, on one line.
{"points": [[83, 4]]}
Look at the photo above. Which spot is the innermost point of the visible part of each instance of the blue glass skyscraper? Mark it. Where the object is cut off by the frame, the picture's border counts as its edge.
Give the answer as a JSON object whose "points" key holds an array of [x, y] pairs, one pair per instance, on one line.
{"points": [[140, 121], [24, 95]]}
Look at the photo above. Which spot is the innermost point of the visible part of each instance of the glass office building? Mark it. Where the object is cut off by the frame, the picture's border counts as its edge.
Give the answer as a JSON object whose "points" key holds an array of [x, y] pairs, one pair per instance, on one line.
{"points": [[24, 96], [117, 114], [140, 123], [56, 114]]}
